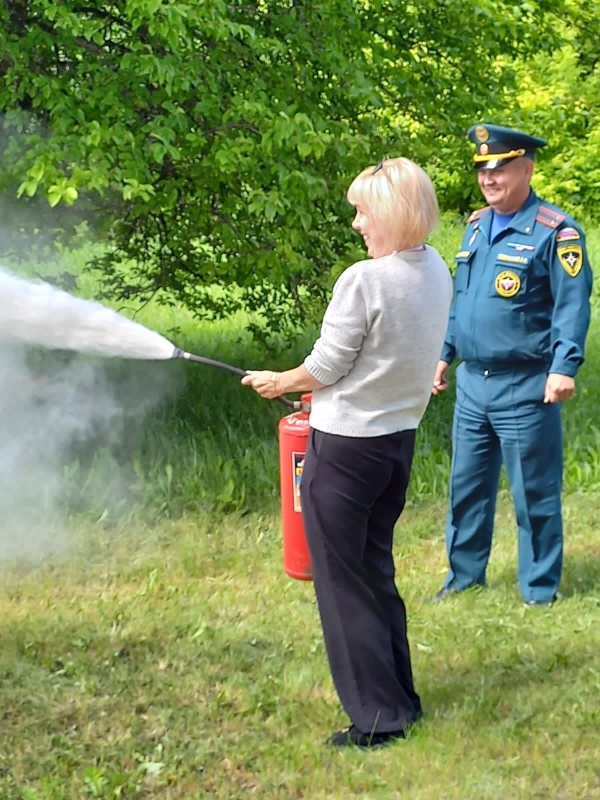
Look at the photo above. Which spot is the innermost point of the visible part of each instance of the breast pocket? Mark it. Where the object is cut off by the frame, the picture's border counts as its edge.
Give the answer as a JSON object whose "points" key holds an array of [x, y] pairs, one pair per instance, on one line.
{"points": [[462, 274], [509, 281], [508, 293]]}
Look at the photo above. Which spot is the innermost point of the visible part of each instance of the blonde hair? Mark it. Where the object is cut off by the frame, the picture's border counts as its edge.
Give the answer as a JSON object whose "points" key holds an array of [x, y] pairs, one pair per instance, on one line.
{"points": [[400, 196]]}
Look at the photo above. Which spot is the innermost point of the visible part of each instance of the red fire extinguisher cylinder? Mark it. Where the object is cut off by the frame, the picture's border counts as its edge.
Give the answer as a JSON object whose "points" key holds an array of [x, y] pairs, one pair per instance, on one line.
{"points": [[293, 440]]}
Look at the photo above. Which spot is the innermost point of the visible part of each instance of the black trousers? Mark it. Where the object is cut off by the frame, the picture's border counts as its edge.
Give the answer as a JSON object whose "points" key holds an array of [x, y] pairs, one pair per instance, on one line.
{"points": [[353, 491]]}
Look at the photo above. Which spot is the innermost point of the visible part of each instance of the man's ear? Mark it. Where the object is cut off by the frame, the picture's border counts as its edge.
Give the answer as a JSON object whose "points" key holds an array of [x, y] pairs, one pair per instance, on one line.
{"points": [[530, 166]]}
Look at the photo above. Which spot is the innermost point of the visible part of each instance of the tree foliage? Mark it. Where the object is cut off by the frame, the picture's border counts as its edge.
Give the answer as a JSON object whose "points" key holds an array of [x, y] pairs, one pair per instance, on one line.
{"points": [[559, 97], [213, 141]]}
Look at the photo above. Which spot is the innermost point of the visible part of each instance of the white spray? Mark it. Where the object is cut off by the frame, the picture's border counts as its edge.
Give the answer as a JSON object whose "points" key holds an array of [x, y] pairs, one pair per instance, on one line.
{"points": [[41, 314], [49, 420]]}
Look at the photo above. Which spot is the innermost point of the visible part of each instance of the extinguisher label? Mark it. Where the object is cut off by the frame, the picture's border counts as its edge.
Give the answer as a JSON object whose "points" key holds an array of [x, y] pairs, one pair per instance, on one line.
{"points": [[298, 466]]}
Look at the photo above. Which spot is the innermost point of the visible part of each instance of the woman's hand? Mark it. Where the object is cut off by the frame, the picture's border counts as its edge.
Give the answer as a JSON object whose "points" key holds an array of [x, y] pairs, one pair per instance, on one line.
{"points": [[273, 384], [263, 381]]}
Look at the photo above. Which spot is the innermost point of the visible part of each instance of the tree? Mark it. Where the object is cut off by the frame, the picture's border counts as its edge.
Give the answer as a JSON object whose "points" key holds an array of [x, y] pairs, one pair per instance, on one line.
{"points": [[559, 97], [213, 141]]}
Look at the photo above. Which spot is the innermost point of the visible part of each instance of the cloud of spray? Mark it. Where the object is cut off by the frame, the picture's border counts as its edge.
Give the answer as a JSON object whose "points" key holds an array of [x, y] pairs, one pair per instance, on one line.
{"points": [[38, 313], [63, 415]]}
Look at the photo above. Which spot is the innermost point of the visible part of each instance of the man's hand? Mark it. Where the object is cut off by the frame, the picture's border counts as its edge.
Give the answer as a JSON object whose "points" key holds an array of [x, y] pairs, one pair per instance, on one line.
{"points": [[263, 381], [440, 383], [558, 388]]}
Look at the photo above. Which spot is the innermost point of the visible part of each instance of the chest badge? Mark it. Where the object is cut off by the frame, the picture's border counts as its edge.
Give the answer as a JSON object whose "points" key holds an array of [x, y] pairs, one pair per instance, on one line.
{"points": [[507, 283], [571, 258], [519, 246], [512, 259]]}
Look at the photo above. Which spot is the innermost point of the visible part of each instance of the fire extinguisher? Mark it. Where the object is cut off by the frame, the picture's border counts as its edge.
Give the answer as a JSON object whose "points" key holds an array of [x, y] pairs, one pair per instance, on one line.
{"points": [[293, 440]]}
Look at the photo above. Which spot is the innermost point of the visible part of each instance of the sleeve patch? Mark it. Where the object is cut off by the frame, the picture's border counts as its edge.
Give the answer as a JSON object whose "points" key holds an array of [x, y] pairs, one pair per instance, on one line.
{"points": [[571, 258], [566, 234]]}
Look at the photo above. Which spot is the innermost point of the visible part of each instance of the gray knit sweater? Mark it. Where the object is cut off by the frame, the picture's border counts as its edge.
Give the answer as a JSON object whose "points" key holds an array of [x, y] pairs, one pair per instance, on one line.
{"points": [[380, 343]]}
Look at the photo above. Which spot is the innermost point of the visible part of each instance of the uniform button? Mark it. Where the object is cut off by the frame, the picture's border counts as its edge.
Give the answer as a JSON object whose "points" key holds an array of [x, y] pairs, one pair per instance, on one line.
{"points": [[486, 372]]}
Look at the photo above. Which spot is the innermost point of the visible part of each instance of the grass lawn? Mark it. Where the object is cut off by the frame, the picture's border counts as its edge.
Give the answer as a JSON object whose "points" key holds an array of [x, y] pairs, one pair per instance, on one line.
{"points": [[179, 661]]}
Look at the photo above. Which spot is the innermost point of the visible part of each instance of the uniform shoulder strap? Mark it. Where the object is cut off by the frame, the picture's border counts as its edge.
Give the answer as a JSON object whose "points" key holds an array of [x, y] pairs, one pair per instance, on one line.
{"points": [[476, 214], [550, 217]]}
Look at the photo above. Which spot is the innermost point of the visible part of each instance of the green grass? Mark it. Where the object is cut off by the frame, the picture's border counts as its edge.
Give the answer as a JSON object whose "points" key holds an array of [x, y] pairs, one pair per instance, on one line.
{"points": [[164, 654], [179, 661]]}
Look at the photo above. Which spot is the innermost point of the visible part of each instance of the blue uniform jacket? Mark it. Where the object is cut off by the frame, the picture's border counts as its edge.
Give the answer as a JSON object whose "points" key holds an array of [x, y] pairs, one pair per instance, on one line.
{"points": [[524, 297]]}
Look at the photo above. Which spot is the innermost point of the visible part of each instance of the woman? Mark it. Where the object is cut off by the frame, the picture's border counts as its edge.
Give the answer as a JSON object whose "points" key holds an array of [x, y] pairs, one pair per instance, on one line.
{"points": [[371, 373]]}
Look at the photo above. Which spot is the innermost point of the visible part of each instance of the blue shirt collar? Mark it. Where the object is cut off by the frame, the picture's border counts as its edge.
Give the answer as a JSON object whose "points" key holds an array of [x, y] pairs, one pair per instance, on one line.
{"points": [[523, 220]]}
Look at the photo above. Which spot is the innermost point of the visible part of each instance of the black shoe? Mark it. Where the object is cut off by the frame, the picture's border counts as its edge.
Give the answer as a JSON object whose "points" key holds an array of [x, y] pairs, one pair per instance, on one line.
{"points": [[532, 603], [443, 593], [352, 736], [448, 591]]}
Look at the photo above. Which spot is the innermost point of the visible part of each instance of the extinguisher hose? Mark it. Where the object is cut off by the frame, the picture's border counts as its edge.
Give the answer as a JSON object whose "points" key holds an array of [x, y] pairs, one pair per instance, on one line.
{"points": [[178, 353]]}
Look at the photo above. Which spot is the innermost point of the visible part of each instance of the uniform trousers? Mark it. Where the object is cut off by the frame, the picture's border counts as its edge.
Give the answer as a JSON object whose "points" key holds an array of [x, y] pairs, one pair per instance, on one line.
{"points": [[353, 491], [500, 415]]}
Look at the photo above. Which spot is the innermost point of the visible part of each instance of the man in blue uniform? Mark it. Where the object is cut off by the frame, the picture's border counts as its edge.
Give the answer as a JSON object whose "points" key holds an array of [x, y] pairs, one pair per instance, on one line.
{"points": [[518, 323]]}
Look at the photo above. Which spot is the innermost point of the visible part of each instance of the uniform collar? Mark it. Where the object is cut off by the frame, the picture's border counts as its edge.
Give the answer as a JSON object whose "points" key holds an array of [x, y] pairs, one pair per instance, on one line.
{"points": [[523, 220]]}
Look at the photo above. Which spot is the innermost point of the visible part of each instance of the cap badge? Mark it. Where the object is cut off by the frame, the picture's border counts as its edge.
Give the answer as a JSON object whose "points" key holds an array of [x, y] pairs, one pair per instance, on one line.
{"points": [[481, 133]]}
